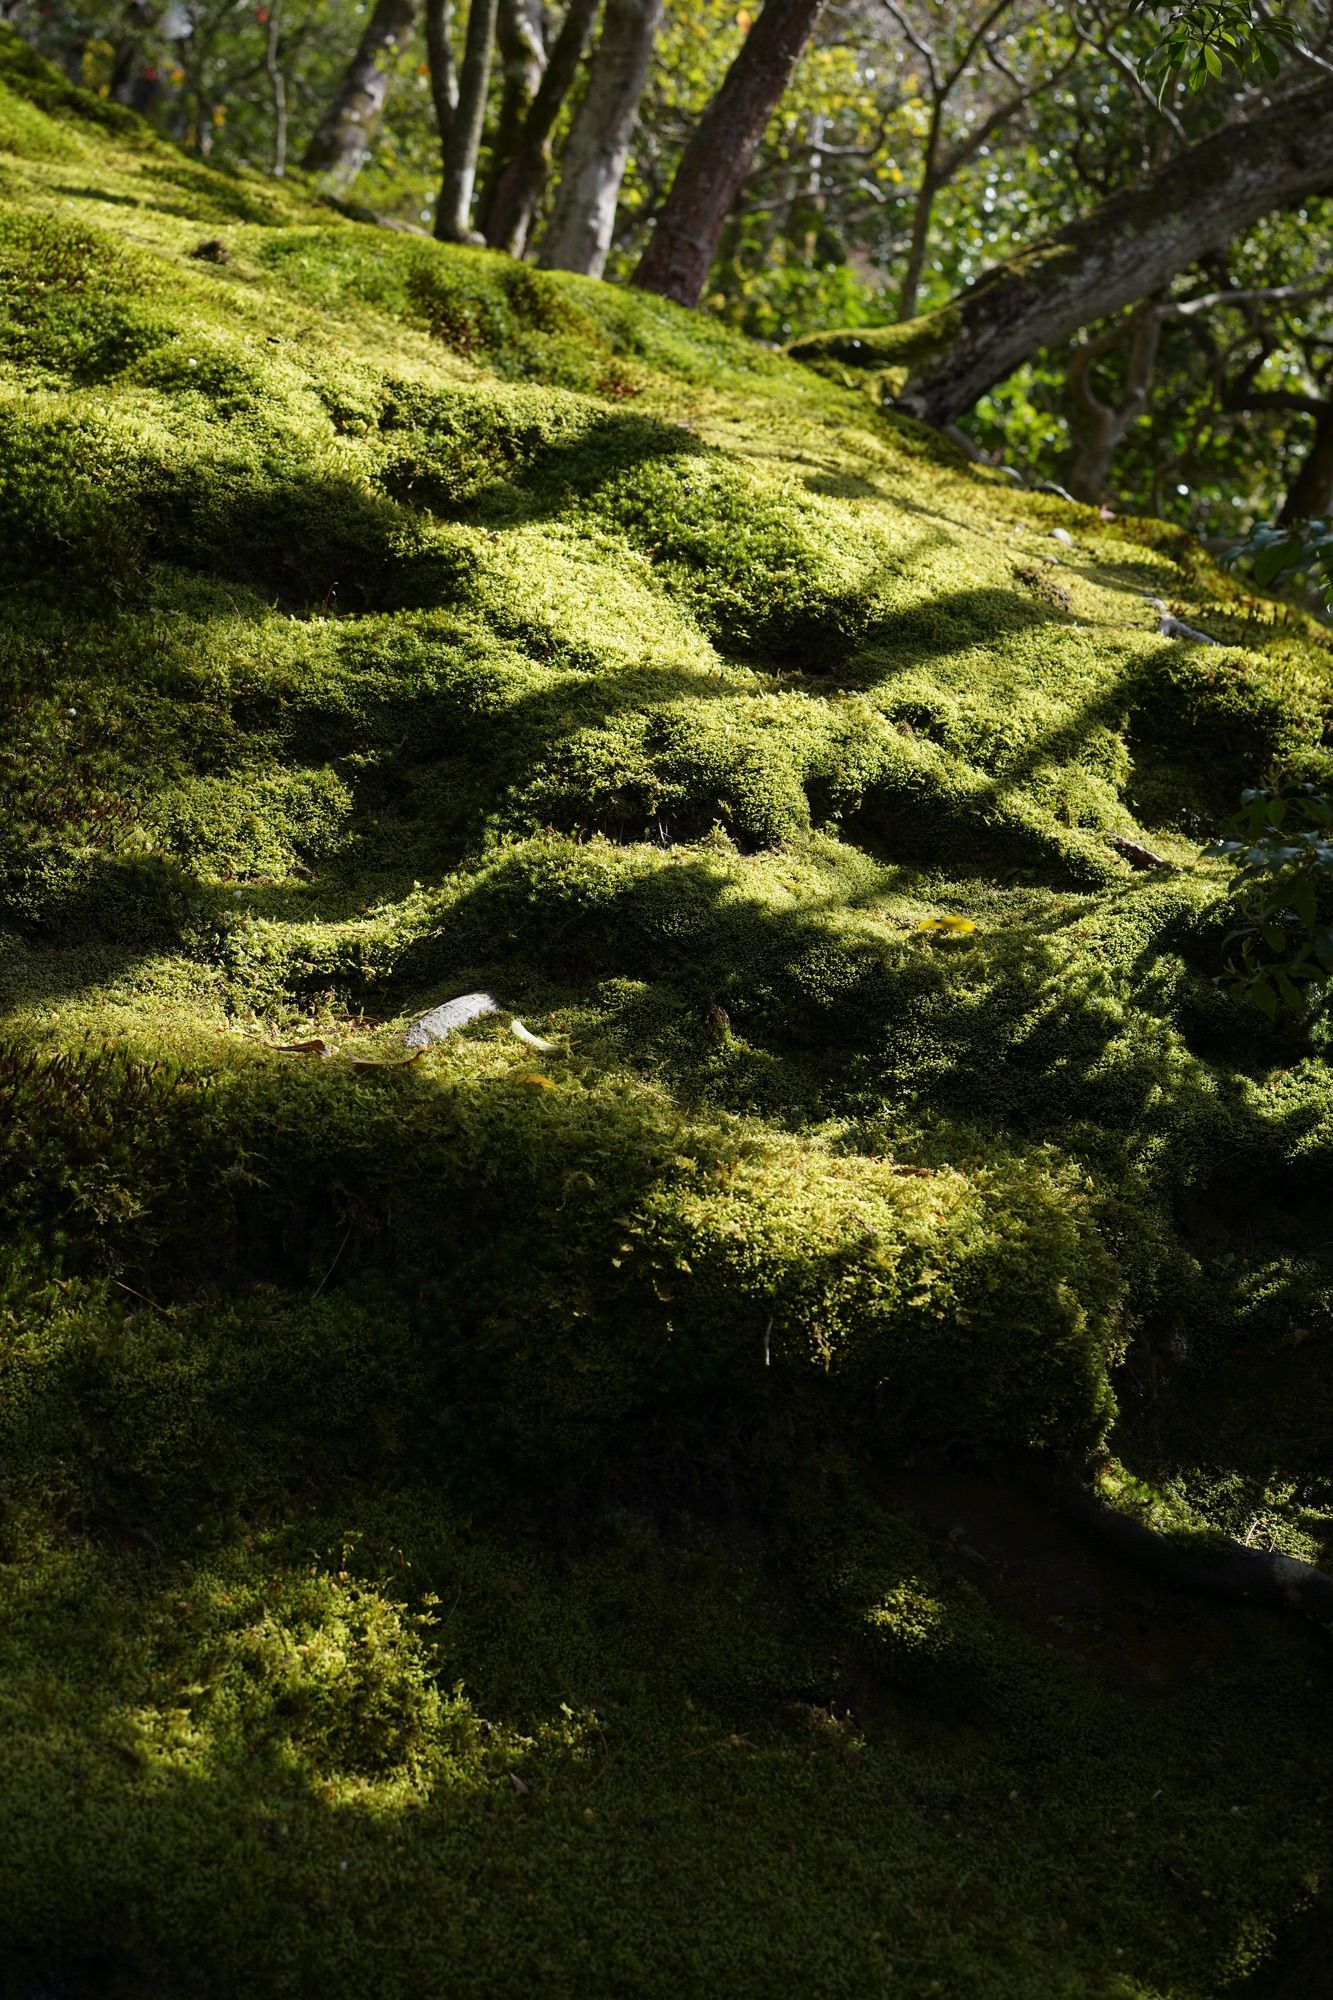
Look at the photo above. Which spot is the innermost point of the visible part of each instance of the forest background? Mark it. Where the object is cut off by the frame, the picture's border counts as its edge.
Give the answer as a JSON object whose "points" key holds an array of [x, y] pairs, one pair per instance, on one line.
{"points": [[917, 144]]}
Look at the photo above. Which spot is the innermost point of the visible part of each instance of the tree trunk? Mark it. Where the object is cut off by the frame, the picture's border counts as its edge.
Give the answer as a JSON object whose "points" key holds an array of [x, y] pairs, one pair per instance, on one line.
{"points": [[1135, 244], [1105, 426], [715, 162], [913, 271], [922, 209], [520, 179], [1310, 497], [141, 18], [277, 84], [521, 41], [347, 129], [443, 77], [453, 211], [593, 163]]}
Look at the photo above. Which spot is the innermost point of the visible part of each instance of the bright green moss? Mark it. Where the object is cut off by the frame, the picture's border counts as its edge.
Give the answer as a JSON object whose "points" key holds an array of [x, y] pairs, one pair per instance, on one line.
{"points": [[382, 621]]}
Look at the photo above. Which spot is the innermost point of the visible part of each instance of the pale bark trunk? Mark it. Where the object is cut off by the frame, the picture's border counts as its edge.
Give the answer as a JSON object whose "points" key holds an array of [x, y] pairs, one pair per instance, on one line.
{"points": [[453, 213], [936, 367], [347, 130], [521, 42], [443, 76], [593, 164], [520, 180], [717, 158], [277, 87]]}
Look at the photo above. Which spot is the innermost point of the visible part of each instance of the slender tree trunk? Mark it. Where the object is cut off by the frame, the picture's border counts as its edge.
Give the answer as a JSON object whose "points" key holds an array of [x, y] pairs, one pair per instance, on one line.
{"points": [[936, 367], [521, 41], [277, 87], [922, 210], [914, 269], [1105, 426], [141, 17], [717, 158], [347, 130], [594, 159], [443, 76], [806, 214], [1310, 497], [520, 179], [453, 211]]}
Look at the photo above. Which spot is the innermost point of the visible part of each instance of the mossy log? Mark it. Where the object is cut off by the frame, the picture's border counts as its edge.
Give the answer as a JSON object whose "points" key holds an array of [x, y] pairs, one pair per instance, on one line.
{"points": [[1235, 1572], [936, 367]]}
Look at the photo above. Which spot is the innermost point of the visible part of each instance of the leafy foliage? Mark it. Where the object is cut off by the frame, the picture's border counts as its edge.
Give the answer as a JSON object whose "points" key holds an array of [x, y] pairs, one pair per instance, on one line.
{"points": [[1280, 844], [1201, 38], [1276, 553]]}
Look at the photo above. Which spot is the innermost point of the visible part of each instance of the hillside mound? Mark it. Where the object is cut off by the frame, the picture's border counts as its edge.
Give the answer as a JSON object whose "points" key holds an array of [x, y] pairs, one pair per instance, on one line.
{"points": [[492, 1516]]}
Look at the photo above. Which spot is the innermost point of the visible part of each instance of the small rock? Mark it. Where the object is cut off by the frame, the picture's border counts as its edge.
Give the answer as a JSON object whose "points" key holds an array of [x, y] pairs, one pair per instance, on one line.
{"points": [[441, 1021], [1137, 855], [1175, 628]]}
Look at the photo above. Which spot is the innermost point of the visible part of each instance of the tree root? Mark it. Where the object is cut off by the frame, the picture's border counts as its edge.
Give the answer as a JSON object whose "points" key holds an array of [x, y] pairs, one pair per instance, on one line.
{"points": [[1254, 1576]]}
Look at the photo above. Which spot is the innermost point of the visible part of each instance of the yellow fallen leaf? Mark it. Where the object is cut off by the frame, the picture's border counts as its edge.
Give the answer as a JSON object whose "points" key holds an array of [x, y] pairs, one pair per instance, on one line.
{"points": [[952, 926], [530, 1076]]}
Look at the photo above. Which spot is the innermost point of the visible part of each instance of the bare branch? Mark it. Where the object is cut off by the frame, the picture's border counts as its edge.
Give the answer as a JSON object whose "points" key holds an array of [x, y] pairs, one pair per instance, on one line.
{"points": [[915, 41], [1262, 294]]}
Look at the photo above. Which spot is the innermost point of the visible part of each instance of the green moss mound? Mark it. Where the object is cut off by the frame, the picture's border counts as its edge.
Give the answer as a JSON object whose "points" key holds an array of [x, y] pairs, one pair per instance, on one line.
{"points": [[517, 1516]]}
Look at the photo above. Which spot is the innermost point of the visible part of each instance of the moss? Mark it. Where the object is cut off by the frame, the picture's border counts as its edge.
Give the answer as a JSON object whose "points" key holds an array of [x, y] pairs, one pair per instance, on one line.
{"points": [[454, 1509], [885, 350]]}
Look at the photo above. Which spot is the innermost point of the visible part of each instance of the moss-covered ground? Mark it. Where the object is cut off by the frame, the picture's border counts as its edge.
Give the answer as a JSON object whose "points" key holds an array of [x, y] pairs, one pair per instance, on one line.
{"points": [[551, 1520]]}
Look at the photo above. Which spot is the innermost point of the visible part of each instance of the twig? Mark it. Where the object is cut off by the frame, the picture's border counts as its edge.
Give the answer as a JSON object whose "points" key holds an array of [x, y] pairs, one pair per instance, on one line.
{"points": [[164, 1310], [332, 1267]]}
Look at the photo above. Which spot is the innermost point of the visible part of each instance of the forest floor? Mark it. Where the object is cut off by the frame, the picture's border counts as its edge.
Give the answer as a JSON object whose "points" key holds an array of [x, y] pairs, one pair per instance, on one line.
{"points": [[553, 1518]]}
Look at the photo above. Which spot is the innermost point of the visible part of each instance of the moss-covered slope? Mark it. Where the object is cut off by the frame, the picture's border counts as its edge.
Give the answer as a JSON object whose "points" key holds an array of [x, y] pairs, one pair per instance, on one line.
{"points": [[496, 1521]]}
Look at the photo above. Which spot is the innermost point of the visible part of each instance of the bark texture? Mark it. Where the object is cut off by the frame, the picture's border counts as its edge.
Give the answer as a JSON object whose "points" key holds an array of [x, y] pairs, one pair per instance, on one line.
{"points": [[443, 76], [521, 177], [347, 130], [1123, 251], [593, 163], [453, 211], [521, 41], [714, 164]]}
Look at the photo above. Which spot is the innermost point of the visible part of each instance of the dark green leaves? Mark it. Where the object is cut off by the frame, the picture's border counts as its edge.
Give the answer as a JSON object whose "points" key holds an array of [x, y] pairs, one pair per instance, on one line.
{"points": [[1276, 553], [1280, 846], [1202, 38]]}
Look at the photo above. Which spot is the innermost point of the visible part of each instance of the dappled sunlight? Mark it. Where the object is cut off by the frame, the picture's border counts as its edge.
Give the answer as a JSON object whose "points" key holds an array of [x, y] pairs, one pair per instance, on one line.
{"points": [[416, 1458]]}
